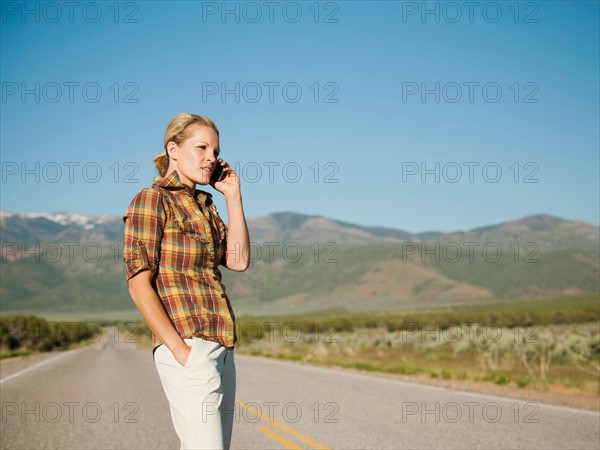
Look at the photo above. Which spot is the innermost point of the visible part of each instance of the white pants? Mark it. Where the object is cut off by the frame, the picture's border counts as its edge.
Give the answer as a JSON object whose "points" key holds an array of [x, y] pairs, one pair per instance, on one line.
{"points": [[201, 394]]}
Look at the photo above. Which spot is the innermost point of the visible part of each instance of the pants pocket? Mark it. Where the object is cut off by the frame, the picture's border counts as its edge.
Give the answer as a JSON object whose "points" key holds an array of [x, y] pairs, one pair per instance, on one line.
{"points": [[194, 345], [163, 355]]}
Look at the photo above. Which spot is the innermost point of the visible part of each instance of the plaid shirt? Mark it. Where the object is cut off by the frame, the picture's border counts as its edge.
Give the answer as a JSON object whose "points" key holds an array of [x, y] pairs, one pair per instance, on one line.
{"points": [[181, 240]]}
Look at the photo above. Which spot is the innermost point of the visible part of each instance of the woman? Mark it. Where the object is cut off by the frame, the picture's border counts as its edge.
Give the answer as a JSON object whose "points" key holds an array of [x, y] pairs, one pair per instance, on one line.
{"points": [[174, 242]]}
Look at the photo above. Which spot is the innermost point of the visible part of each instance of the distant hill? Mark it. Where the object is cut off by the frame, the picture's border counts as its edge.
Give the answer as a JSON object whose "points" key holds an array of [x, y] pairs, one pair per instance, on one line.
{"points": [[59, 227], [303, 229], [549, 232], [342, 265]]}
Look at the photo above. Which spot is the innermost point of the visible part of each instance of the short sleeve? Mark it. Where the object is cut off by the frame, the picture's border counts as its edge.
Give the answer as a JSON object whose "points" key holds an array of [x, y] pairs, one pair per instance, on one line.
{"points": [[144, 223]]}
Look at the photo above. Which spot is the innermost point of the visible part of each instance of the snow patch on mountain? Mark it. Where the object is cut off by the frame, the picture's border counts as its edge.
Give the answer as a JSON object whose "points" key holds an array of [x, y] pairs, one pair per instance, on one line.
{"points": [[87, 221]]}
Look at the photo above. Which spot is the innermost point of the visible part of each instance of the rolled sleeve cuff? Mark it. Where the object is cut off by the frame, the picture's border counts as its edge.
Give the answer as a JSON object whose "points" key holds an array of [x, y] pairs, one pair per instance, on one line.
{"points": [[136, 260]]}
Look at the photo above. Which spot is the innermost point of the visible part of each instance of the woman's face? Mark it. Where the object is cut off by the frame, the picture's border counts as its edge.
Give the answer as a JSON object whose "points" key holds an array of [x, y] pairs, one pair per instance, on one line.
{"points": [[196, 156]]}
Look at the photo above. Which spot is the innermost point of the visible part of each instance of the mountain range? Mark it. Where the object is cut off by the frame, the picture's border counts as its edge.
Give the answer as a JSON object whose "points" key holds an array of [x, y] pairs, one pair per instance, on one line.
{"points": [[70, 264]]}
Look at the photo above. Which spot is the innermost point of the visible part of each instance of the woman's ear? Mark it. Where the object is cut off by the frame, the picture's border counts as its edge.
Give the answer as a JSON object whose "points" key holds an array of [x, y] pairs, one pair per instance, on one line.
{"points": [[172, 150]]}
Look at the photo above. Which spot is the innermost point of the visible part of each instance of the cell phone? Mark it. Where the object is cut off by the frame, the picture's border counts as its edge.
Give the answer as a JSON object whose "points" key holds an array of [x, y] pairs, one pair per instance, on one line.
{"points": [[217, 174]]}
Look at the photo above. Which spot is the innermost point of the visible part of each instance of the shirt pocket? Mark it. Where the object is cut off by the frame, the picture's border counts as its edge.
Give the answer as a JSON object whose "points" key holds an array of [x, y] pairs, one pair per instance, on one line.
{"points": [[192, 228], [192, 244]]}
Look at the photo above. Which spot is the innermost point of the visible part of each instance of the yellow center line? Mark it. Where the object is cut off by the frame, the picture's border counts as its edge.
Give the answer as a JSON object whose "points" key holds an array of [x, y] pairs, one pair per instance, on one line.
{"points": [[302, 438], [278, 438]]}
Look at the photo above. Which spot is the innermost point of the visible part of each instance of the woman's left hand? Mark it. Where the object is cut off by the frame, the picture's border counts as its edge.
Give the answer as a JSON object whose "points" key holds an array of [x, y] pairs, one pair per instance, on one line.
{"points": [[230, 183]]}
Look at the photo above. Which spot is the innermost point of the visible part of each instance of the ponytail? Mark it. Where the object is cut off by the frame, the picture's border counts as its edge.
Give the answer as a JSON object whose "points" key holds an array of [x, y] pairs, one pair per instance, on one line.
{"points": [[161, 163]]}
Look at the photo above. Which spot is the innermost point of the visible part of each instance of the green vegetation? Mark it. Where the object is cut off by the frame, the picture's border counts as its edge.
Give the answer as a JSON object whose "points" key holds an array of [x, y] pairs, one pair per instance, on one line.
{"points": [[579, 308], [531, 271], [70, 285], [21, 335], [422, 286]]}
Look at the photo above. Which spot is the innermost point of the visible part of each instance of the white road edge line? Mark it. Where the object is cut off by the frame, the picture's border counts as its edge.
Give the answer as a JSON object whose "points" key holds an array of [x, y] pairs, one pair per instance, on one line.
{"points": [[35, 366], [512, 399]]}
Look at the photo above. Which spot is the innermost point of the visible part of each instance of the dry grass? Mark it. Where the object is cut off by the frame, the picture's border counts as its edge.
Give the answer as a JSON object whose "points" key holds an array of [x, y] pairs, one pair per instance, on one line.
{"points": [[540, 364]]}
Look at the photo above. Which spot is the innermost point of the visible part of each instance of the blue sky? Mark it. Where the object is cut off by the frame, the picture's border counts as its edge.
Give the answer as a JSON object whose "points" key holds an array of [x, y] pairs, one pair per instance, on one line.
{"points": [[348, 136]]}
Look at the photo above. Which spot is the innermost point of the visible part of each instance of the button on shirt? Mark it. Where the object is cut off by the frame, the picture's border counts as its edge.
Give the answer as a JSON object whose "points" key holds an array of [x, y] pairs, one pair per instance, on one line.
{"points": [[180, 238]]}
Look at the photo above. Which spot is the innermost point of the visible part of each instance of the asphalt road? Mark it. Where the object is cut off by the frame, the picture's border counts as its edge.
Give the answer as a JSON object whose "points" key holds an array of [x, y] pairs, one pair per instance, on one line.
{"points": [[108, 395]]}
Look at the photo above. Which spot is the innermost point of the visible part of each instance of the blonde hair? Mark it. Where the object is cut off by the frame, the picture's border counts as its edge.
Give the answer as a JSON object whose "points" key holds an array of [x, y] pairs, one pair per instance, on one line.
{"points": [[177, 132]]}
